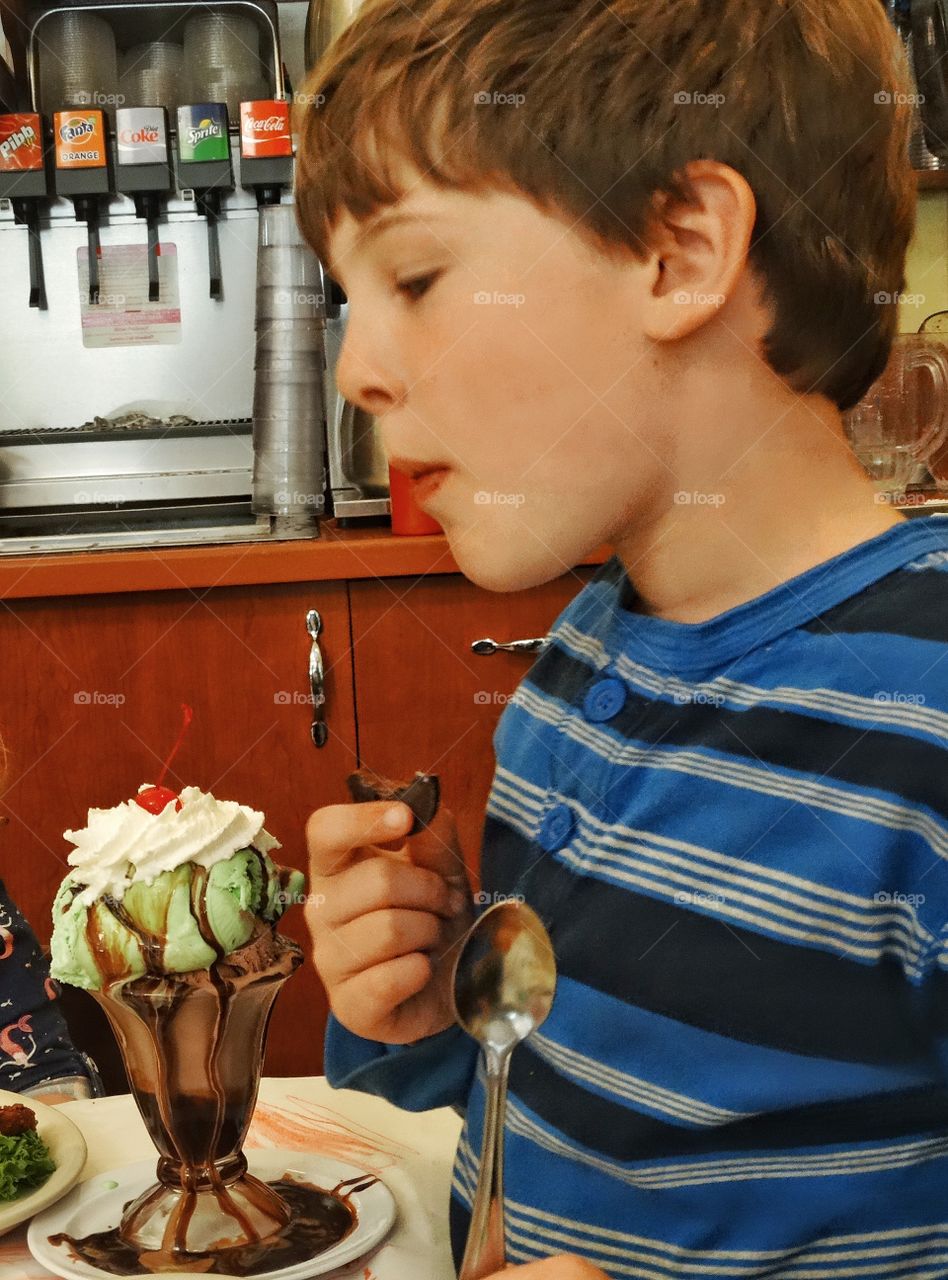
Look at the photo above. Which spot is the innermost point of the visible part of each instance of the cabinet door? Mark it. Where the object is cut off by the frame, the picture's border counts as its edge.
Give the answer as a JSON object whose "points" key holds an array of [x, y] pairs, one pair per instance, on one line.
{"points": [[423, 699], [91, 704]]}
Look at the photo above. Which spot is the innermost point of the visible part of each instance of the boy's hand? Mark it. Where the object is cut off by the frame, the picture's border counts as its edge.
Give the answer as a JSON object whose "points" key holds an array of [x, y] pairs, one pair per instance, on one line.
{"points": [[563, 1267], [385, 920]]}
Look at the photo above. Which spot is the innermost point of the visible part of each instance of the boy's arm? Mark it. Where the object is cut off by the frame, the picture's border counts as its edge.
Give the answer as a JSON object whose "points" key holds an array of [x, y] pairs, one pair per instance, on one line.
{"points": [[435, 1072]]}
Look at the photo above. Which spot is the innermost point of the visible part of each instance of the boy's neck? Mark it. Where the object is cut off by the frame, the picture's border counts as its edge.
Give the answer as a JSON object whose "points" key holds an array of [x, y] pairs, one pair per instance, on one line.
{"points": [[757, 517]]}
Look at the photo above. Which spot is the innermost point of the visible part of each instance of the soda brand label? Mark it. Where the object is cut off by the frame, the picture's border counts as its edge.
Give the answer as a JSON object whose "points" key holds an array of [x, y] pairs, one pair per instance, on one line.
{"points": [[21, 142], [80, 139], [202, 132], [141, 135], [265, 128]]}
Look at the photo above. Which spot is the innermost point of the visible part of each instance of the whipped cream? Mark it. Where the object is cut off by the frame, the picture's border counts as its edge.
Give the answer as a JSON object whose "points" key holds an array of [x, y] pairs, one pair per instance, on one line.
{"points": [[126, 844]]}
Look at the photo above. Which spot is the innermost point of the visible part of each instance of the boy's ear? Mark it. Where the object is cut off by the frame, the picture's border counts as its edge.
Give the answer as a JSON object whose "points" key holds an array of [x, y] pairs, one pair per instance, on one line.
{"points": [[699, 249]]}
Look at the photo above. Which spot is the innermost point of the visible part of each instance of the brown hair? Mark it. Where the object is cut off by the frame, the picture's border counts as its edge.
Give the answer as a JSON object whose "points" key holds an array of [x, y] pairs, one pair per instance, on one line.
{"points": [[591, 109]]}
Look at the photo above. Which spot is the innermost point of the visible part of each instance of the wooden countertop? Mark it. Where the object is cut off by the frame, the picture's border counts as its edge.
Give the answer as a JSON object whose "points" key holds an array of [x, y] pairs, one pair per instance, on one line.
{"points": [[358, 552]]}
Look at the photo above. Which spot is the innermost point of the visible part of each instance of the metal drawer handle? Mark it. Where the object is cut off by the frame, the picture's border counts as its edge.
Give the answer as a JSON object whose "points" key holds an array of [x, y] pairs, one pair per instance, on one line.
{"points": [[317, 676], [537, 645]]}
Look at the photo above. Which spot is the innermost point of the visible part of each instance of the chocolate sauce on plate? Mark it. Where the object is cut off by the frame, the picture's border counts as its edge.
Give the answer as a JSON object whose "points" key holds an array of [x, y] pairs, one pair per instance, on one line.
{"points": [[319, 1219]]}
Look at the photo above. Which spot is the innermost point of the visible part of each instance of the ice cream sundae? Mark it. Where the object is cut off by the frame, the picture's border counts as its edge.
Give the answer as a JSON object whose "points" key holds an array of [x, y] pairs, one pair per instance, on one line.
{"points": [[168, 917]]}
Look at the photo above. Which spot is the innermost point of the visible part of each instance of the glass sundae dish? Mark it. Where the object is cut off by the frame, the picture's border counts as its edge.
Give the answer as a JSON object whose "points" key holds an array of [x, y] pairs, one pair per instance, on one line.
{"points": [[168, 918]]}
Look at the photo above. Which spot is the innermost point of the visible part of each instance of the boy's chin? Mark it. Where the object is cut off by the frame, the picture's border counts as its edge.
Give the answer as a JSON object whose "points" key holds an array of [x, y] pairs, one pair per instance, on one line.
{"points": [[505, 564]]}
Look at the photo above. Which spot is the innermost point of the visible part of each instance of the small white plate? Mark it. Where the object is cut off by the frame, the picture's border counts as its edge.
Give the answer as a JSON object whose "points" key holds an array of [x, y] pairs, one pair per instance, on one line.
{"points": [[68, 1149], [97, 1205]]}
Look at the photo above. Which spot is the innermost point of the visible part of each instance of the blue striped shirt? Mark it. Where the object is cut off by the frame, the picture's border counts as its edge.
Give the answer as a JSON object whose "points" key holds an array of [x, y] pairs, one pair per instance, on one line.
{"points": [[737, 834]]}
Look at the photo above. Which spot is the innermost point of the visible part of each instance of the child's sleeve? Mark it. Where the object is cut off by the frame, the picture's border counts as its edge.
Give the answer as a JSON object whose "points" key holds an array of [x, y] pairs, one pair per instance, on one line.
{"points": [[435, 1072], [35, 1047]]}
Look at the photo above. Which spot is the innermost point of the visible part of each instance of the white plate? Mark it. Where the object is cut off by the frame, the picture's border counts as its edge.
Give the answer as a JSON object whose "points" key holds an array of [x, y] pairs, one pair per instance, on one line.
{"points": [[97, 1205], [68, 1149]]}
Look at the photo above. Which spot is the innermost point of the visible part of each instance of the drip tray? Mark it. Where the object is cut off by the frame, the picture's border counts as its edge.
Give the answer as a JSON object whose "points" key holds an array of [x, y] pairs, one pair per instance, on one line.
{"points": [[35, 533]]}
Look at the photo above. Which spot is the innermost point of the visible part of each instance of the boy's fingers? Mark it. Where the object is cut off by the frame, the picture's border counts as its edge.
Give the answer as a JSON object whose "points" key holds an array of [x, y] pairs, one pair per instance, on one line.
{"points": [[372, 996], [372, 939], [381, 882], [335, 832]]}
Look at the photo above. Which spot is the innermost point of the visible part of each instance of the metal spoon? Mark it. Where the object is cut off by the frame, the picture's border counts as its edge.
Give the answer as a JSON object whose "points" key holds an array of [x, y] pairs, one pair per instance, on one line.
{"points": [[504, 981]]}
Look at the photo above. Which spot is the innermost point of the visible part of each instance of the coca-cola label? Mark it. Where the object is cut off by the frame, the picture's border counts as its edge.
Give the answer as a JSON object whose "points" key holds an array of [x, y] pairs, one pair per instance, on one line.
{"points": [[80, 139], [265, 128], [21, 142], [141, 135]]}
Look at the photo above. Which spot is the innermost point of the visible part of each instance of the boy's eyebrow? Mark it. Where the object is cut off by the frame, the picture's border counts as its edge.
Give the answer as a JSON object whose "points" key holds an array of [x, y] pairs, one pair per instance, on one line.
{"points": [[380, 222]]}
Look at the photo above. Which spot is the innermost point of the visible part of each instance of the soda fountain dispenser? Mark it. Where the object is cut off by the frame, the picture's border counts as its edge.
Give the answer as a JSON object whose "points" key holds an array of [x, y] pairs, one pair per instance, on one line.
{"points": [[204, 167], [266, 148], [143, 171], [82, 174], [23, 181]]}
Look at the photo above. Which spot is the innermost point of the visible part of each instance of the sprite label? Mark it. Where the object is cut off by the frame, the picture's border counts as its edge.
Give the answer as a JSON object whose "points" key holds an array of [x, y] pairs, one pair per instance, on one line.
{"points": [[202, 132]]}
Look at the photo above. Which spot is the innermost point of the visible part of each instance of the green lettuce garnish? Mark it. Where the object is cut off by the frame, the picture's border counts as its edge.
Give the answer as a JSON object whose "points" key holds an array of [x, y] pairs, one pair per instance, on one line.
{"points": [[25, 1163]]}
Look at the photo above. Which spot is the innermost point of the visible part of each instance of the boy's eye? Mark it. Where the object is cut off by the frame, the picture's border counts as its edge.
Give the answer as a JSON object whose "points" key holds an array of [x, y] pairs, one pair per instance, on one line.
{"points": [[417, 286]]}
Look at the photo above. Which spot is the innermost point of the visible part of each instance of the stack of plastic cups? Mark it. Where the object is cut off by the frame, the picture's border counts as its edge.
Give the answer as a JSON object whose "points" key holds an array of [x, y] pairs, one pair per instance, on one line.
{"points": [[153, 75], [78, 62], [222, 60], [289, 413]]}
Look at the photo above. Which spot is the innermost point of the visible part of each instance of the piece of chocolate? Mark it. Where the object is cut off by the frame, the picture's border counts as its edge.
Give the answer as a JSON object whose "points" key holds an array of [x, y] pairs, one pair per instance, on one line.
{"points": [[422, 794]]}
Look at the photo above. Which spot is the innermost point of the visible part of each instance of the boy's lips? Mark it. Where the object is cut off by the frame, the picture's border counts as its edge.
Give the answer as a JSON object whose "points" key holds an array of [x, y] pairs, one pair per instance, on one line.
{"points": [[414, 469]]}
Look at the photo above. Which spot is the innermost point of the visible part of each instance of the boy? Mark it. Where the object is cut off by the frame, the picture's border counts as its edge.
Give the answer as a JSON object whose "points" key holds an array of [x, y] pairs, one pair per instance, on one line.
{"points": [[629, 261]]}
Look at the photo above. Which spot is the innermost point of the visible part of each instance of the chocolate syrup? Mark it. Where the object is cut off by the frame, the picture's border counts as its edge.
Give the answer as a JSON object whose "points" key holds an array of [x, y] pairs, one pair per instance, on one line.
{"points": [[319, 1219]]}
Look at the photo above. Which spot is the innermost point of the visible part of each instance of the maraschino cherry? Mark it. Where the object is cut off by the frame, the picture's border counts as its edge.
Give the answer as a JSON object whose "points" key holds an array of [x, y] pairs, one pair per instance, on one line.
{"points": [[155, 799]]}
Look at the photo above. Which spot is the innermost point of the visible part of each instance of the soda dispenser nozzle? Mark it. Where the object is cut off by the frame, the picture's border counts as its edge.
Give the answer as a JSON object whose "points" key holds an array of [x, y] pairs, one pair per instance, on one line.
{"points": [[143, 171], [24, 182], [82, 174], [204, 167]]}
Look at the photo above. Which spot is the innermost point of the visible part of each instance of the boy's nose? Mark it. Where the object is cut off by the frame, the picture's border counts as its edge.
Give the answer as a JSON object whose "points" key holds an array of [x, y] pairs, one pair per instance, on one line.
{"points": [[361, 382]]}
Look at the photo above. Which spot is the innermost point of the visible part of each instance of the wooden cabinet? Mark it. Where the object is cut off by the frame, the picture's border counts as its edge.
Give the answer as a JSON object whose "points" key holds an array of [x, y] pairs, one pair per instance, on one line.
{"points": [[424, 700], [91, 705], [93, 687]]}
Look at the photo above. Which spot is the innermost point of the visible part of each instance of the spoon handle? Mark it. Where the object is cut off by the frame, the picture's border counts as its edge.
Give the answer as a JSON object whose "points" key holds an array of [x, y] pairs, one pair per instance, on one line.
{"points": [[485, 1251]]}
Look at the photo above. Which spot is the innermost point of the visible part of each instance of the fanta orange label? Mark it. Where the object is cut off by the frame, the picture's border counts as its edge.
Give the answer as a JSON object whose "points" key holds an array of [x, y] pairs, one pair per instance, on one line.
{"points": [[80, 139], [21, 142]]}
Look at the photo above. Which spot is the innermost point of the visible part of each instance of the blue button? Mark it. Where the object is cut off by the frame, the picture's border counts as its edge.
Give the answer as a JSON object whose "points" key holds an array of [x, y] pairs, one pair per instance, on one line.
{"points": [[556, 828], [604, 699]]}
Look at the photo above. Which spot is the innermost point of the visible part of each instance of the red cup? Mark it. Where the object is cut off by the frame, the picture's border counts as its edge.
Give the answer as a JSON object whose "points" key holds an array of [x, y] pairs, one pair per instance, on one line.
{"points": [[407, 516]]}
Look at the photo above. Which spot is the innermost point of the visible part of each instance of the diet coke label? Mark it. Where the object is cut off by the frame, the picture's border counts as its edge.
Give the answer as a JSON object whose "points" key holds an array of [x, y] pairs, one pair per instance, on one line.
{"points": [[141, 135], [265, 129]]}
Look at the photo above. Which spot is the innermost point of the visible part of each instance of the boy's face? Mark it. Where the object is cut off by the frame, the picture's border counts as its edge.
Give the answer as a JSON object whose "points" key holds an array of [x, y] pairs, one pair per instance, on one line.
{"points": [[490, 339]]}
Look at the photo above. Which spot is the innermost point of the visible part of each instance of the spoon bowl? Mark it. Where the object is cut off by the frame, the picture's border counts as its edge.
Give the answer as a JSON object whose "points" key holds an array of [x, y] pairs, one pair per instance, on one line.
{"points": [[504, 983]]}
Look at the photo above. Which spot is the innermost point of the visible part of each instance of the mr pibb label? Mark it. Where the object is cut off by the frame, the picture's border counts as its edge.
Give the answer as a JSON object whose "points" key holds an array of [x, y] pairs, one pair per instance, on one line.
{"points": [[21, 142]]}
